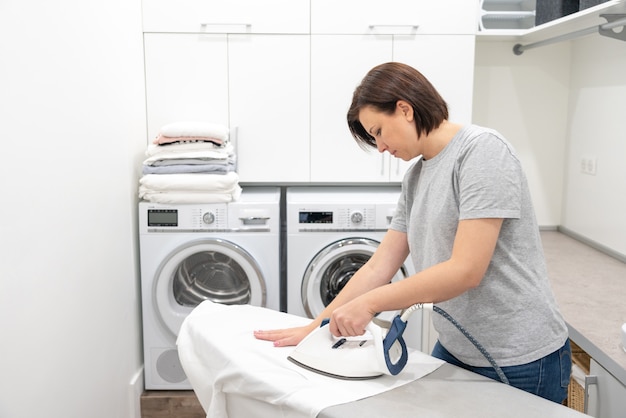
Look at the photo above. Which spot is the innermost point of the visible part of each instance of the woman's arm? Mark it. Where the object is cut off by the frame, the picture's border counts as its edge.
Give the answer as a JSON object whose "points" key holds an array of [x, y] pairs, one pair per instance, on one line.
{"points": [[473, 248], [377, 271]]}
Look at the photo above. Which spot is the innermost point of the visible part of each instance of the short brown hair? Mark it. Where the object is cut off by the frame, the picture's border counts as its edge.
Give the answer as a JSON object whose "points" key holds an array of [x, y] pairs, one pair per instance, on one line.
{"points": [[387, 83]]}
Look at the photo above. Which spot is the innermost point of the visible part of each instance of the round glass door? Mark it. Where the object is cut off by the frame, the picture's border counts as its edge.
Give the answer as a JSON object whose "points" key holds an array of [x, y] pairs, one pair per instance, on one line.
{"points": [[207, 269], [331, 268]]}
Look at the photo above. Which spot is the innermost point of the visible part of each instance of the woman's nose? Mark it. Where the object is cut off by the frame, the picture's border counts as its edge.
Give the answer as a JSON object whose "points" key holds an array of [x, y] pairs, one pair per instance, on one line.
{"points": [[380, 146]]}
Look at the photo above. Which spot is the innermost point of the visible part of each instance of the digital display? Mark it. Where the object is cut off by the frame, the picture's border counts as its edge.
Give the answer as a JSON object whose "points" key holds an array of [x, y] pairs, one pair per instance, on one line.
{"points": [[162, 217], [316, 217]]}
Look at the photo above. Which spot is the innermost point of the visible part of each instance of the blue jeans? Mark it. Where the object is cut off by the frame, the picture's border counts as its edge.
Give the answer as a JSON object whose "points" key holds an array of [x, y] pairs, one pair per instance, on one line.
{"points": [[547, 377]]}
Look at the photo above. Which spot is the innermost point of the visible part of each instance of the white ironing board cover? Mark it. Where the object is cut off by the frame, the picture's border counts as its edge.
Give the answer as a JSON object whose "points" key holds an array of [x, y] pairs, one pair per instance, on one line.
{"points": [[221, 356]]}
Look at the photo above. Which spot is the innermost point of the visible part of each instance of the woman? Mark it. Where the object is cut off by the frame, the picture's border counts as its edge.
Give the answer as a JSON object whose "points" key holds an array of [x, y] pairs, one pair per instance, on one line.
{"points": [[466, 218]]}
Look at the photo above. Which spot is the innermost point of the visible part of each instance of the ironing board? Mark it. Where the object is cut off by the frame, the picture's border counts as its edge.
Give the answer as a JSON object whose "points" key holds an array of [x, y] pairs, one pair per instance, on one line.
{"points": [[233, 374]]}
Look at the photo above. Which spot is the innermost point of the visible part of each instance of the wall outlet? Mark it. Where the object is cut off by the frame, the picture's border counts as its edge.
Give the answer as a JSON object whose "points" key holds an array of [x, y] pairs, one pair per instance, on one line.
{"points": [[589, 165]]}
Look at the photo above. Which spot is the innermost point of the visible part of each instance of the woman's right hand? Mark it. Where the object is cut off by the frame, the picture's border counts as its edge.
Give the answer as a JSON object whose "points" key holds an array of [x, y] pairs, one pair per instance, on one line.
{"points": [[285, 337]]}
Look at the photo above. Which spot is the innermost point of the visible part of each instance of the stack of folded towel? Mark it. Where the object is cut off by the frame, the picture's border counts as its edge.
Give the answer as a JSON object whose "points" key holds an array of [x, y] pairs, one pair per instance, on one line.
{"points": [[190, 162]]}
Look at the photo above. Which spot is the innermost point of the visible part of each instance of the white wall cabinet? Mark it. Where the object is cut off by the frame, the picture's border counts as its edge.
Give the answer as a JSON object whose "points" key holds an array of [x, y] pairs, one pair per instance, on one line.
{"points": [[232, 16], [352, 36], [339, 62], [256, 83], [269, 104], [285, 81], [237, 63], [448, 62], [186, 79], [393, 16]]}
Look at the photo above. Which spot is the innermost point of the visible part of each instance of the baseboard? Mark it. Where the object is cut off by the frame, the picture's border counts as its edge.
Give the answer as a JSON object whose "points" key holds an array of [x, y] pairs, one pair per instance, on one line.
{"points": [[134, 394]]}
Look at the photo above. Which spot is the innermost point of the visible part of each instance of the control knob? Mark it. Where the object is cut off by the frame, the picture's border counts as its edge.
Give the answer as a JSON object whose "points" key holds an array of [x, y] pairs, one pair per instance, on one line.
{"points": [[356, 217], [208, 218]]}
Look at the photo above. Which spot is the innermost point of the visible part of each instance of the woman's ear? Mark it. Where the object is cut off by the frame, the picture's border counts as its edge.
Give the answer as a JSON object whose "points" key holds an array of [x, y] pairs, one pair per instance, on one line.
{"points": [[406, 109]]}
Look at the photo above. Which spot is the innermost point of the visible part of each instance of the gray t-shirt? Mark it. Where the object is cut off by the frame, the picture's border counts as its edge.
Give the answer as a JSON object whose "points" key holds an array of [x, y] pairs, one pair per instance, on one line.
{"points": [[512, 313]]}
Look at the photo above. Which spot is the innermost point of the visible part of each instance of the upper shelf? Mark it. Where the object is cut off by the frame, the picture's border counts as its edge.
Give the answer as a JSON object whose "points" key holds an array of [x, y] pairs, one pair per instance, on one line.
{"points": [[576, 21]]}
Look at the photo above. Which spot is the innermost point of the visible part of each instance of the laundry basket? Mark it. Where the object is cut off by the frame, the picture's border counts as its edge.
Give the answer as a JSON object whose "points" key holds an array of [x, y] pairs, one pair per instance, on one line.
{"points": [[576, 389]]}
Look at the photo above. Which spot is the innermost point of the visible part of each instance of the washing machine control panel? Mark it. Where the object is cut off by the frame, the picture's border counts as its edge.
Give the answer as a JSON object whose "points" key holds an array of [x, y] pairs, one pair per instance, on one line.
{"points": [[338, 218], [187, 218]]}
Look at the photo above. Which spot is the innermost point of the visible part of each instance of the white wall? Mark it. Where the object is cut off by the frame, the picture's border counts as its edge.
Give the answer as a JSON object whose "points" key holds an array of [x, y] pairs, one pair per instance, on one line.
{"points": [[558, 104], [72, 122], [595, 206], [525, 98]]}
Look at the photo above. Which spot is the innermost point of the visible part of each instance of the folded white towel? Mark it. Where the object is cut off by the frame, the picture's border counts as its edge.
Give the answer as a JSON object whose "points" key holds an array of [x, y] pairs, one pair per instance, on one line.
{"points": [[175, 149], [197, 182], [197, 166], [190, 197], [192, 157], [195, 128], [223, 361]]}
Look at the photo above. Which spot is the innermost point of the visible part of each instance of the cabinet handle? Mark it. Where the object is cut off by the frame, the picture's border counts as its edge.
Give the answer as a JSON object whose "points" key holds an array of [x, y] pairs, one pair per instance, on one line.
{"points": [[382, 164], [395, 29], [589, 381], [215, 27]]}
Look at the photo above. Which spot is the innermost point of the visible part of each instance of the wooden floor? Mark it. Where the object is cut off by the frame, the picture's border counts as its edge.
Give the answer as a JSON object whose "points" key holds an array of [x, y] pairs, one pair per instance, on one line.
{"points": [[171, 404]]}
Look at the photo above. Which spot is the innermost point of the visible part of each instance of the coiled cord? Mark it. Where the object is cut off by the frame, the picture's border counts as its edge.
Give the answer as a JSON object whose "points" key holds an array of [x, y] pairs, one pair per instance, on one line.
{"points": [[405, 315]]}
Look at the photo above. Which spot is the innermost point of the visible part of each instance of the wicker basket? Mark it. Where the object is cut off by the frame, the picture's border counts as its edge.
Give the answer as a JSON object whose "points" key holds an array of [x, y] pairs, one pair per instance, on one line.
{"points": [[580, 367], [576, 396], [580, 357]]}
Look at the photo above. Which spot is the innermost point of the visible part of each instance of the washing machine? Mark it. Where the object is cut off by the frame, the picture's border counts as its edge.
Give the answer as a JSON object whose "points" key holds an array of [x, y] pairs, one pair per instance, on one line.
{"points": [[224, 252], [331, 233]]}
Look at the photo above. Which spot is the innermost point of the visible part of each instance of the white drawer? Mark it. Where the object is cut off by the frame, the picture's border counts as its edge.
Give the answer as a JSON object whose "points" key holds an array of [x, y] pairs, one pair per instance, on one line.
{"points": [[396, 17], [232, 16]]}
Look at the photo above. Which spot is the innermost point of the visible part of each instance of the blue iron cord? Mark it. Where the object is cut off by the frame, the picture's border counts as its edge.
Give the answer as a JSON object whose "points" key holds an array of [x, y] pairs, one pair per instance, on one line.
{"points": [[469, 336]]}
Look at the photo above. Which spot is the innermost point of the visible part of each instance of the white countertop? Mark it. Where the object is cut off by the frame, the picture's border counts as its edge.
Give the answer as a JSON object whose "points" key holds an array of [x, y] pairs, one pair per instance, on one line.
{"points": [[590, 288]]}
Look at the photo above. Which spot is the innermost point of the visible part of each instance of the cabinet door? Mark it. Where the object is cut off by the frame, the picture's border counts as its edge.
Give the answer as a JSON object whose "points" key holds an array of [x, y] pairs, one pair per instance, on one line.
{"points": [[186, 79], [608, 398], [448, 63], [338, 64], [393, 16], [269, 105], [232, 16]]}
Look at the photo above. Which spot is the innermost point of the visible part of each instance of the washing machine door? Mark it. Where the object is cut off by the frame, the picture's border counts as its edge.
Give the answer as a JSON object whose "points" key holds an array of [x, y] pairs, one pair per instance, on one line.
{"points": [[332, 267], [207, 269]]}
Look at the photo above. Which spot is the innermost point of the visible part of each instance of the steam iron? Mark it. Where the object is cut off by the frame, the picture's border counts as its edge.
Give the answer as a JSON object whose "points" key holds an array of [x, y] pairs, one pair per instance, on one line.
{"points": [[381, 350]]}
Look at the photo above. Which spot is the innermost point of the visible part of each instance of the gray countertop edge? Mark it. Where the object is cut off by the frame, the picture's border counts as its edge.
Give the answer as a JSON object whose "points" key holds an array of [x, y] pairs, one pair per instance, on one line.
{"points": [[598, 355]]}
